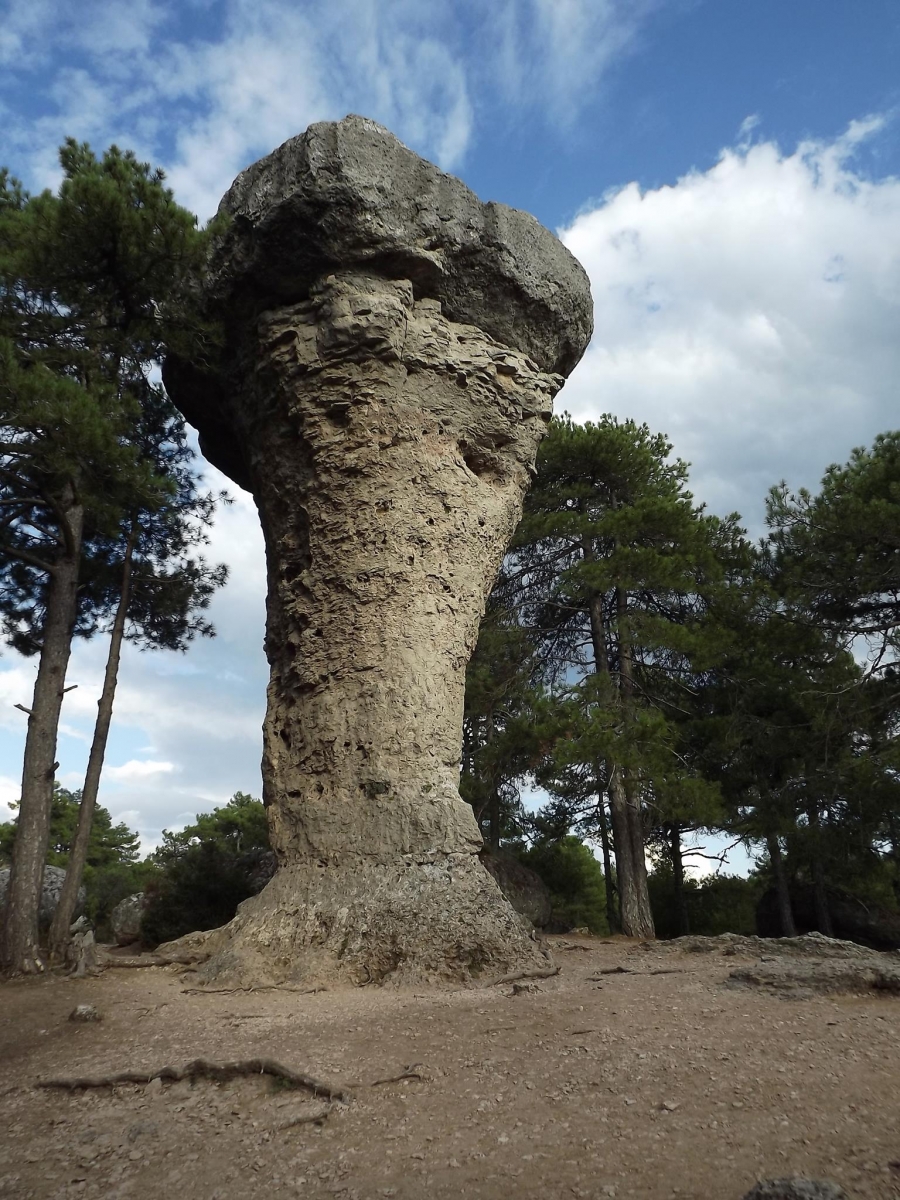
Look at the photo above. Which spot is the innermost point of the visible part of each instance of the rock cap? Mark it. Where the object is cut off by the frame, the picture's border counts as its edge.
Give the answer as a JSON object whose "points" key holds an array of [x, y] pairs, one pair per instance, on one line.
{"points": [[349, 195]]}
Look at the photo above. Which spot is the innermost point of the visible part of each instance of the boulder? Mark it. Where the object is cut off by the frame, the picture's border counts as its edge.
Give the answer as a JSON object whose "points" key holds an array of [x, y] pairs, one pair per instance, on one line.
{"points": [[54, 877], [523, 888], [125, 919], [259, 866]]}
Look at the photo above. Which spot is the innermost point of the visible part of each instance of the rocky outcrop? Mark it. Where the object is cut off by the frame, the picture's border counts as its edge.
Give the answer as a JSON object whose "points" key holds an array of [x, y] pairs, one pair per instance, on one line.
{"points": [[259, 866], [799, 966], [392, 351], [54, 877], [869, 972], [522, 887]]}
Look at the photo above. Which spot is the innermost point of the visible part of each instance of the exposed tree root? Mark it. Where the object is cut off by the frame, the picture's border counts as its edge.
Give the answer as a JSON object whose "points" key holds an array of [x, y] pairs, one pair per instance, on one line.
{"points": [[628, 971], [273, 987], [135, 961], [201, 1068], [542, 973], [407, 1073]]}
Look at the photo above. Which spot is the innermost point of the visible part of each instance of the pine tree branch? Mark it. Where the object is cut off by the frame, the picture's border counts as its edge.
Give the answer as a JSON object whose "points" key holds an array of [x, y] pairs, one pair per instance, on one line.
{"points": [[26, 556]]}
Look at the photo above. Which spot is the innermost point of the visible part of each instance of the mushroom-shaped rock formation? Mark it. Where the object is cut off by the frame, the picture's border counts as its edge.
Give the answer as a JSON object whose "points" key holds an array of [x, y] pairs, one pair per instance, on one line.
{"points": [[392, 348]]}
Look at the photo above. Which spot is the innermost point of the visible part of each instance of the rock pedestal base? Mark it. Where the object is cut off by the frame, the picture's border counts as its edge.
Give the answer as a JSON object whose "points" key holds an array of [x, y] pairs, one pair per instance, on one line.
{"points": [[403, 923]]}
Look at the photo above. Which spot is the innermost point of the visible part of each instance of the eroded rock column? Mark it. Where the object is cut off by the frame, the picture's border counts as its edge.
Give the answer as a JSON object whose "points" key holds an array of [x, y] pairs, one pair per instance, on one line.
{"points": [[388, 446]]}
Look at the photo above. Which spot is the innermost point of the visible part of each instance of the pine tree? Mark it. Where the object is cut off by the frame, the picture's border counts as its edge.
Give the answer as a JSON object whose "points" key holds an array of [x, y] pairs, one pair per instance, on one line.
{"points": [[836, 554], [93, 284], [160, 590], [616, 565]]}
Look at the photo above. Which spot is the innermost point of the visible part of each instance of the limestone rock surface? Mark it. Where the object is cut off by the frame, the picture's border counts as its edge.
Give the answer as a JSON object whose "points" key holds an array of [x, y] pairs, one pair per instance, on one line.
{"points": [[125, 919], [523, 888], [348, 195], [393, 349], [54, 878]]}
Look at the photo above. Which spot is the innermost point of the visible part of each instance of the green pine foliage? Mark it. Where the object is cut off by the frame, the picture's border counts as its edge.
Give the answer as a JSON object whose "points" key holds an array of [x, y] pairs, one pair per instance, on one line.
{"points": [[206, 870], [98, 503], [836, 554], [632, 630], [113, 869], [716, 904], [95, 284], [575, 880]]}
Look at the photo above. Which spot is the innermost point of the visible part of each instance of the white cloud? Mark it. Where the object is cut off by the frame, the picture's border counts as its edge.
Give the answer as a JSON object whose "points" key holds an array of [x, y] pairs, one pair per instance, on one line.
{"points": [[749, 311], [138, 769], [260, 71]]}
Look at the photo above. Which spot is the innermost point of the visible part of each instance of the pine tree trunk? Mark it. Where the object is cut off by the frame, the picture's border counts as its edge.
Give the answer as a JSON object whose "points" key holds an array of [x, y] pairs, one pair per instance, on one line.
{"points": [[894, 839], [645, 927], [62, 918], [628, 839], [782, 891], [817, 872], [612, 916], [626, 869], [682, 922], [629, 907], [20, 950], [494, 799]]}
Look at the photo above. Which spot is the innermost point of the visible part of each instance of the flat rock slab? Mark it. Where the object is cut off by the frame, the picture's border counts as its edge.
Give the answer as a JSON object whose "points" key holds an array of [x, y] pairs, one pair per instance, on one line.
{"points": [[879, 973], [815, 945]]}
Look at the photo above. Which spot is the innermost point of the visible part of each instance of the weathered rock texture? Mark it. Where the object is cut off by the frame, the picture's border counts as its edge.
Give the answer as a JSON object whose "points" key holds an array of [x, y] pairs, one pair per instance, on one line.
{"points": [[125, 919], [393, 348], [54, 878], [523, 888], [800, 966]]}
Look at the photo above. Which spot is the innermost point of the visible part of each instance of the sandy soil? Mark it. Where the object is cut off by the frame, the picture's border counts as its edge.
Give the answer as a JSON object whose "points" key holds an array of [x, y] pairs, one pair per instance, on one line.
{"points": [[589, 1085]]}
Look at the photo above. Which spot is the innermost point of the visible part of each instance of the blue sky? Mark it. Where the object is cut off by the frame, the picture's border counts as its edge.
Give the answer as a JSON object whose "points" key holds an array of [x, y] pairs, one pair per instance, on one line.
{"points": [[727, 172]]}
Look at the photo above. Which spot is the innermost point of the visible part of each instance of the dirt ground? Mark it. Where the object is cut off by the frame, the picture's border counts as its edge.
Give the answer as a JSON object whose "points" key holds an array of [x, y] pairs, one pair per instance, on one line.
{"points": [[590, 1085]]}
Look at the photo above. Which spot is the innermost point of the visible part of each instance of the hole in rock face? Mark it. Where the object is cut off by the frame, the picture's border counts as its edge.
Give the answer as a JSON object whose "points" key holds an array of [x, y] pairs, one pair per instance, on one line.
{"points": [[478, 462], [461, 379]]}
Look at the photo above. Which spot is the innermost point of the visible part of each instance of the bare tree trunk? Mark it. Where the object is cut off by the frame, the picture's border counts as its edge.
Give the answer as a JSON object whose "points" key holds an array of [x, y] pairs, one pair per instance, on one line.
{"points": [[20, 950], [62, 918], [682, 921], [782, 891]]}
